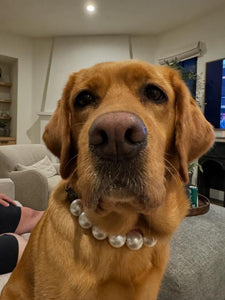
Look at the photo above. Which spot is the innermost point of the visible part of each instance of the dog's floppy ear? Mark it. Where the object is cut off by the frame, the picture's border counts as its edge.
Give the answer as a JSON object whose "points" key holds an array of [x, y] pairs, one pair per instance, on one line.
{"points": [[57, 134], [194, 134]]}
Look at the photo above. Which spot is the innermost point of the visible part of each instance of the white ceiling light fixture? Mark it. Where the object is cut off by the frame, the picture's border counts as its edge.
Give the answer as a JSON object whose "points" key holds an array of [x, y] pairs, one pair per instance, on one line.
{"points": [[90, 7]]}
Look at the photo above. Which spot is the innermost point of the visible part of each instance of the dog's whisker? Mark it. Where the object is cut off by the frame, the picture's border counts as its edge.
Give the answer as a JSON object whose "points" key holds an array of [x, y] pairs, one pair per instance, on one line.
{"points": [[69, 162], [172, 170], [167, 161]]}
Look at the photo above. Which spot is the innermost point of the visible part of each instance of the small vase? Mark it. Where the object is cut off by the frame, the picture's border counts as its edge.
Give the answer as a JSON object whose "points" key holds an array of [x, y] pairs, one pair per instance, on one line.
{"points": [[2, 131]]}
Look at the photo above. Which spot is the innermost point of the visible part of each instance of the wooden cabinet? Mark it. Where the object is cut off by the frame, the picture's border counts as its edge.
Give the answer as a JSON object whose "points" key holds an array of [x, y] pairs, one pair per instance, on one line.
{"points": [[8, 99], [5, 84], [7, 141], [5, 114]]}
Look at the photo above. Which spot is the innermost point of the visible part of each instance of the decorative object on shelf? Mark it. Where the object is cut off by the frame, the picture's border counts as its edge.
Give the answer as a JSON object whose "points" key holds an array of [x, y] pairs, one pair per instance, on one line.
{"points": [[7, 131], [5, 72], [5, 113], [203, 207], [193, 195], [4, 129], [8, 92]]}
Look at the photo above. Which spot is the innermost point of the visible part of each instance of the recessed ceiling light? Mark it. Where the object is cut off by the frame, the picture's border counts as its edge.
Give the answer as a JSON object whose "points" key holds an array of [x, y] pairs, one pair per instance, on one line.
{"points": [[90, 8]]}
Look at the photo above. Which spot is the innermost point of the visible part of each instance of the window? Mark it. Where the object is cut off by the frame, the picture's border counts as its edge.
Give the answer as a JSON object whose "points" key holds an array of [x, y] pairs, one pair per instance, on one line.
{"points": [[189, 67]]}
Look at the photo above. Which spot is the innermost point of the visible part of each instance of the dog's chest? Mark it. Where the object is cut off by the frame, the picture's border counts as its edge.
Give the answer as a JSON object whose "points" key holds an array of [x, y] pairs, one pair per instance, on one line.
{"points": [[112, 290]]}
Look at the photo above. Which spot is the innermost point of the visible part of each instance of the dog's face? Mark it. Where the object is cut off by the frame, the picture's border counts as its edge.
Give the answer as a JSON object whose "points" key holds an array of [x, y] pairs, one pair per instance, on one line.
{"points": [[121, 130]]}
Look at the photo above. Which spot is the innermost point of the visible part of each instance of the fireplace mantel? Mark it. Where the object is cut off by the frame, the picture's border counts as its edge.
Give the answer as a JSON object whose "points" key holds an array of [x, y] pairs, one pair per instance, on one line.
{"points": [[45, 114], [44, 119]]}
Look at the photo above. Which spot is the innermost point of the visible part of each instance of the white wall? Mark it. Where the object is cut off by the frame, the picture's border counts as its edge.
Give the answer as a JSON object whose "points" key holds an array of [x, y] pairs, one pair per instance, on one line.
{"points": [[21, 49], [210, 30], [144, 47], [73, 53]]}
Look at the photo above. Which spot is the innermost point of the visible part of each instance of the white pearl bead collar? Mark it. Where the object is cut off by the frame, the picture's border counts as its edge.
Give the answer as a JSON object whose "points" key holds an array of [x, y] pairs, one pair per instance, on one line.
{"points": [[133, 239]]}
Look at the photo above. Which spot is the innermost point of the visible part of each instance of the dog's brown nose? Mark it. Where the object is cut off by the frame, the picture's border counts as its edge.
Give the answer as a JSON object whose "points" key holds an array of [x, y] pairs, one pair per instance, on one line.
{"points": [[117, 136]]}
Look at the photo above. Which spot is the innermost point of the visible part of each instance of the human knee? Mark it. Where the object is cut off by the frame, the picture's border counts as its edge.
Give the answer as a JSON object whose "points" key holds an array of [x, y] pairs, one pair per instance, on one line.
{"points": [[11, 250], [22, 242], [29, 218]]}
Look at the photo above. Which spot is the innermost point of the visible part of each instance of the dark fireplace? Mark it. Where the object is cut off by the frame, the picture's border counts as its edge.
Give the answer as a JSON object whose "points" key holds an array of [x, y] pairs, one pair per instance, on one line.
{"points": [[213, 164]]}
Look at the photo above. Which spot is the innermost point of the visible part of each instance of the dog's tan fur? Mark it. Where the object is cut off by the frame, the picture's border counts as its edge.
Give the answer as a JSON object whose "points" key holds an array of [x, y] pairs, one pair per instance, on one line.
{"points": [[62, 260]]}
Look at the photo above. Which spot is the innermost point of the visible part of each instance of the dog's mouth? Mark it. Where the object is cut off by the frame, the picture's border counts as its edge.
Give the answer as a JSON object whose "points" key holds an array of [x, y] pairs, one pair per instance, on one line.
{"points": [[114, 184], [120, 180]]}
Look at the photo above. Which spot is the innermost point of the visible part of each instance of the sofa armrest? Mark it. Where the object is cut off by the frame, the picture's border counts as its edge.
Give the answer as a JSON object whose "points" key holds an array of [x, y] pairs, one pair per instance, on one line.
{"points": [[31, 188], [7, 187]]}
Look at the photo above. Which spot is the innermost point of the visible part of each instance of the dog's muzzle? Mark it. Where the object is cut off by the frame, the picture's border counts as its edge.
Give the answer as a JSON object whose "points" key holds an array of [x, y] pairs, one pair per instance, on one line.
{"points": [[117, 136]]}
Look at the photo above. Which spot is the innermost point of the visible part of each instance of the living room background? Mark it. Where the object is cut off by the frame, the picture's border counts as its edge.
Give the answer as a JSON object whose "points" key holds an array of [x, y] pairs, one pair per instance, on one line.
{"points": [[42, 62]]}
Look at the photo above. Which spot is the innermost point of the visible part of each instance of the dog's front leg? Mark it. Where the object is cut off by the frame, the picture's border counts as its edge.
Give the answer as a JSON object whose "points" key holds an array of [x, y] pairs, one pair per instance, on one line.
{"points": [[16, 291], [150, 288]]}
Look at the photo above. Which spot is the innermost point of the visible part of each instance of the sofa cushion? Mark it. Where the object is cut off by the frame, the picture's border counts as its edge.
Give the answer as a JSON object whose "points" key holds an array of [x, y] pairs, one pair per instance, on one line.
{"points": [[44, 166], [3, 279], [26, 154], [53, 181]]}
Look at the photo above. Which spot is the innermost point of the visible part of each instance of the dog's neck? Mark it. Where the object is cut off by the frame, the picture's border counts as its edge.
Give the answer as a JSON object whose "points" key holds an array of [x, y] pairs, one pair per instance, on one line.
{"points": [[134, 239]]}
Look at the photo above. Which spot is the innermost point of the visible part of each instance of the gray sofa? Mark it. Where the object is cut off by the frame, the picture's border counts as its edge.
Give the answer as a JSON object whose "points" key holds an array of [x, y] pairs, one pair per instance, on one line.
{"points": [[32, 188], [196, 270]]}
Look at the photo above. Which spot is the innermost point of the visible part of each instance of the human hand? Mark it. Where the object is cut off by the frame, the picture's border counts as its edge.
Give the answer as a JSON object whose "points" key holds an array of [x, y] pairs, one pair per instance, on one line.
{"points": [[6, 201]]}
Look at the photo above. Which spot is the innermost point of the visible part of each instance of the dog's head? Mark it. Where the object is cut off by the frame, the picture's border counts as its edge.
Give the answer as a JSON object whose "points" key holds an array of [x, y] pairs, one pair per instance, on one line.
{"points": [[120, 131]]}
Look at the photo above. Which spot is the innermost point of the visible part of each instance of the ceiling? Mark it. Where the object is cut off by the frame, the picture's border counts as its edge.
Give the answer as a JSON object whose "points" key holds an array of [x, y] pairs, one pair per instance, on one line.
{"points": [[46, 18]]}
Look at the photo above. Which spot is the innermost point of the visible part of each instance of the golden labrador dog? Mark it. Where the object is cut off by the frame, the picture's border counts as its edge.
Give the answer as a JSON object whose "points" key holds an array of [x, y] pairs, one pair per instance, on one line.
{"points": [[124, 133]]}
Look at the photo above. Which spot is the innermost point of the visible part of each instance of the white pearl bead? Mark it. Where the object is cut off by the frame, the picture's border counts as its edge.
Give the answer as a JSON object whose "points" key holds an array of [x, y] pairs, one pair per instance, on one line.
{"points": [[134, 240], [98, 233], [83, 221], [76, 207], [117, 241], [150, 242]]}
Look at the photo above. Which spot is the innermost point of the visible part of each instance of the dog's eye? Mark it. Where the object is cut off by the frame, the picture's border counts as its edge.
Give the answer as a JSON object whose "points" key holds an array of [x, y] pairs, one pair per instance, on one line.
{"points": [[84, 98], [155, 94]]}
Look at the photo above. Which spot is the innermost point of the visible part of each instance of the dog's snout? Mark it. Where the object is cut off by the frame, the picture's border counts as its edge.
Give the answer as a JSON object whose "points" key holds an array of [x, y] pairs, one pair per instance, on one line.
{"points": [[117, 136]]}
